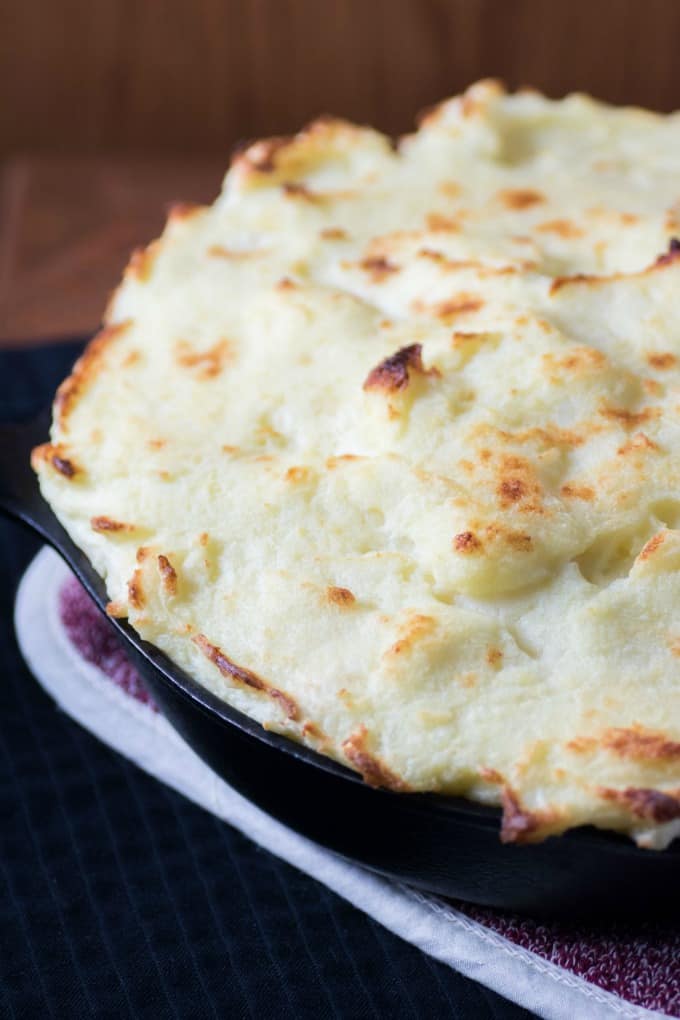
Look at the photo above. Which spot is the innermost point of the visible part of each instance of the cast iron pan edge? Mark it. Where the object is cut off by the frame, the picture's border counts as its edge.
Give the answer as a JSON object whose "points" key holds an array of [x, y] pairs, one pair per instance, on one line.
{"points": [[440, 844]]}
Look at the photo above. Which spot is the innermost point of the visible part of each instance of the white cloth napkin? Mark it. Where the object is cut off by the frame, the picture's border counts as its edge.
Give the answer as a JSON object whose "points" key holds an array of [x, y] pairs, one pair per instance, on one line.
{"points": [[144, 736]]}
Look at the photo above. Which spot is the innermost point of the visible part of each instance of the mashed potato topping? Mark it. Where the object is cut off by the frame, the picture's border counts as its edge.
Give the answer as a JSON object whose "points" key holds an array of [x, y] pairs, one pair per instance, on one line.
{"points": [[384, 449]]}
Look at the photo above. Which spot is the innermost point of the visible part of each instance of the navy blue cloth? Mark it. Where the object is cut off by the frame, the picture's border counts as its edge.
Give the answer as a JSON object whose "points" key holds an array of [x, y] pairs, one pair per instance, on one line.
{"points": [[118, 898]]}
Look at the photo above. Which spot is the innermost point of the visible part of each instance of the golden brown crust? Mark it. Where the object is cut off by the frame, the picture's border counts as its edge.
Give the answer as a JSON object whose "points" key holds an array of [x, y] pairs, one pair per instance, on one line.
{"points": [[84, 370], [630, 419], [494, 656], [297, 473], [341, 597], [518, 824], [208, 363], [652, 805], [394, 373], [245, 677], [168, 575], [448, 311], [219, 251], [378, 267], [562, 228], [520, 198], [670, 258], [334, 234], [640, 441], [662, 361], [261, 156], [650, 547], [295, 189], [184, 210], [105, 525], [571, 490], [55, 455], [116, 610], [141, 261], [437, 223], [518, 485], [135, 590], [632, 742], [466, 542], [372, 769], [415, 627]]}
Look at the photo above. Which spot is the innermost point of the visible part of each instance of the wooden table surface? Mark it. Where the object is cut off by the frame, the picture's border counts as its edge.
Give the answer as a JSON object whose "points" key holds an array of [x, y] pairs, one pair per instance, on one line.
{"points": [[68, 225]]}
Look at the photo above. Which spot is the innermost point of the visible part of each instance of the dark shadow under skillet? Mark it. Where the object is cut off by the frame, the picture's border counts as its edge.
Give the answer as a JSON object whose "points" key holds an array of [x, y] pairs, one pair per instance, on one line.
{"points": [[446, 845]]}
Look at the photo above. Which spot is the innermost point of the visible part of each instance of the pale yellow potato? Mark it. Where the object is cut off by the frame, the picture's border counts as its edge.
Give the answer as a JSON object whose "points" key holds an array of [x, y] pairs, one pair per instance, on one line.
{"points": [[383, 448]]}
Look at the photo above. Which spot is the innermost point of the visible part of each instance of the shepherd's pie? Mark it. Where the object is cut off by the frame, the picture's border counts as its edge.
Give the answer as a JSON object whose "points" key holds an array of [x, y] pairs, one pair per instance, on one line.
{"points": [[383, 448]]}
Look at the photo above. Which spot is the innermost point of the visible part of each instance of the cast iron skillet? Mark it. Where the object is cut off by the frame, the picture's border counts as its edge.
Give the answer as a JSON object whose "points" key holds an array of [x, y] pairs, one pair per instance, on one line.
{"points": [[442, 844]]}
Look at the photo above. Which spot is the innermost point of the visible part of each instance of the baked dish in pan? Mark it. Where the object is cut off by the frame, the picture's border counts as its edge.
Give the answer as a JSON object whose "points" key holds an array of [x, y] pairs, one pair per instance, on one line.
{"points": [[383, 449]]}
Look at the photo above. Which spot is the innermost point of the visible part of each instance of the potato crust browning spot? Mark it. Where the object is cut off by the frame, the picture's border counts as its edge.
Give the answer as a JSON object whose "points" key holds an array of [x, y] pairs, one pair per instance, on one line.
{"points": [[518, 485], [520, 198], [571, 490], [671, 255], [105, 525], [296, 189], [85, 369], [640, 441], [517, 540], [579, 360], [218, 251], [494, 656], [297, 473], [589, 280], [447, 311], [184, 210], [168, 575], [517, 825], [562, 228], [55, 456], [311, 731], [341, 597], [634, 743], [378, 267], [373, 771], [333, 234], [116, 610], [662, 361], [141, 262], [261, 156], [245, 677], [652, 805], [394, 373], [416, 626], [650, 547], [439, 224], [630, 419], [208, 363], [135, 591], [466, 542], [490, 775]]}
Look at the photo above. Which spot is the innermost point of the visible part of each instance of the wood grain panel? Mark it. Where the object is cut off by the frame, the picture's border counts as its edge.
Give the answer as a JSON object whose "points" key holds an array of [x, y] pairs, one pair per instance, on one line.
{"points": [[173, 75], [67, 227]]}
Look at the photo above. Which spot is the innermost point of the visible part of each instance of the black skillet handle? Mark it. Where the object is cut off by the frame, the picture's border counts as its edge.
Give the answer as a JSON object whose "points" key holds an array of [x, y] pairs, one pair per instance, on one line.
{"points": [[19, 492], [21, 499]]}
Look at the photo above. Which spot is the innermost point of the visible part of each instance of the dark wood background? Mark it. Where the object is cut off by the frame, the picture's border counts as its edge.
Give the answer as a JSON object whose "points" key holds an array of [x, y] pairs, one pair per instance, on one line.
{"points": [[194, 75], [110, 108]]}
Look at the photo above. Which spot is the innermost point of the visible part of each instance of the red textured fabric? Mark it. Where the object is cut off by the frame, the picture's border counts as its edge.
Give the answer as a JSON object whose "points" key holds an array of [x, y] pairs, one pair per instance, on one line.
{"points": [[640, 963], [96, 640]]}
